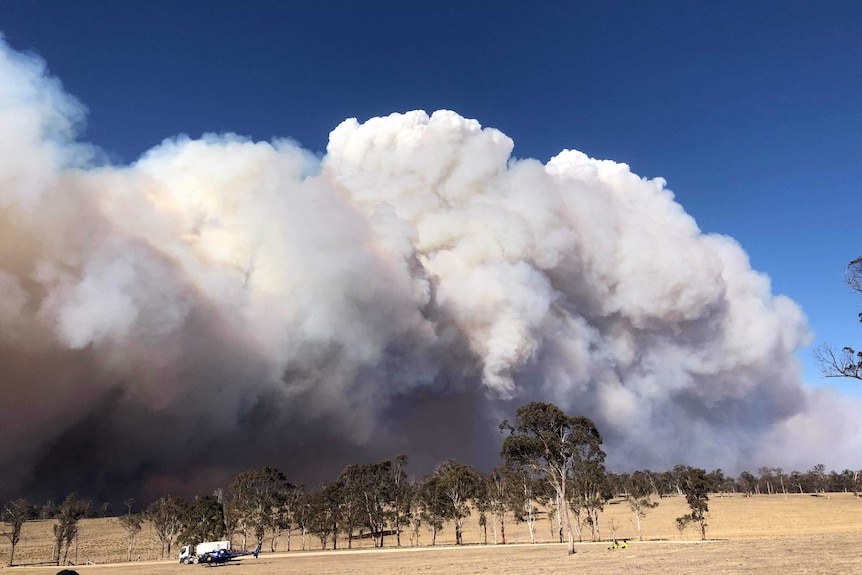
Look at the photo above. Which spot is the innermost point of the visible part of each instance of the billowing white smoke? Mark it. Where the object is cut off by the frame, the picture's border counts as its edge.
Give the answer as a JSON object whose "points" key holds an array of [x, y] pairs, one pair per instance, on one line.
{"points": [[219, 291]]}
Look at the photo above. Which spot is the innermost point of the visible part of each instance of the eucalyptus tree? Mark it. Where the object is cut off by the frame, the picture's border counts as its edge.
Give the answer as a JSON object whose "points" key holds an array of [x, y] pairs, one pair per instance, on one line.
{"points": [[377, 496], [272, 491], [639, 492], [302, 514], [352, 501], [401, 496], [236, 519], [553, 446], [482, 503], [817, 477], [165, 516], [528, 491], [15, 514], [695, 487], [779, 473], [286, 518], [131, 523], [590, 489], [747, 483], [505, 495], [719, 482], [203, 520], [257, 502], [766, 479], [69, 513], [324, 512], [459, 485], [433, 506], [415, 513]]}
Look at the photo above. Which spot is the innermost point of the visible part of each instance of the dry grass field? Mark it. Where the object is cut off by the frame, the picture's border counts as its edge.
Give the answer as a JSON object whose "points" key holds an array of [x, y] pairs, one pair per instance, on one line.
{"points": [[762, 534]]}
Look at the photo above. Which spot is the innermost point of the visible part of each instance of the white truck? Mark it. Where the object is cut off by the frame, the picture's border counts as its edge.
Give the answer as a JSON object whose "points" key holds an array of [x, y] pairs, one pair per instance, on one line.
{"points": [[186, 555]]}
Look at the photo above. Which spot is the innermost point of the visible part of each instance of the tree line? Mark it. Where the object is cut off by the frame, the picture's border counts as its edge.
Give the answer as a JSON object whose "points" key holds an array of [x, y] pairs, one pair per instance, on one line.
{"points": [[552, 466]]}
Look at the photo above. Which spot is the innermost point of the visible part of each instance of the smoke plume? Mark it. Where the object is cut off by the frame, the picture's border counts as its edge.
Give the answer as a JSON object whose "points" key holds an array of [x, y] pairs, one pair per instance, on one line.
{"points": [[222, 303]]}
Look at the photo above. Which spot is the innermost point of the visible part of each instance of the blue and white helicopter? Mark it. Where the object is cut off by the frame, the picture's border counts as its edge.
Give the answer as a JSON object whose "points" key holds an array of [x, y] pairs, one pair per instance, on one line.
{"points": [[223, 556]]}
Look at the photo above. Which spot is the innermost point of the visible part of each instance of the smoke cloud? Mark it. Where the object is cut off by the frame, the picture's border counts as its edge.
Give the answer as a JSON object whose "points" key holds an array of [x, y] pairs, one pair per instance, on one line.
{"points": [[222, 303]]}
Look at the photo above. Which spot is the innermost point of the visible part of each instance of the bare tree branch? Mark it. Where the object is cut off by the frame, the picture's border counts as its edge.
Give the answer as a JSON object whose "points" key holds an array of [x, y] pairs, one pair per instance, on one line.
{"points": [[846, 363], [853, 275]]}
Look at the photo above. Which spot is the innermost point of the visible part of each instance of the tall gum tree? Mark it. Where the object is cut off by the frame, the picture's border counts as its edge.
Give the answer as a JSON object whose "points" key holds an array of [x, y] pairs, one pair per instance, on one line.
{"points": [[551, 444], [203, 520], [400, 496], [589, 482], [165, 516], [459, 484], [15, 514], [695, 487], [639, 491], [70, 512]]}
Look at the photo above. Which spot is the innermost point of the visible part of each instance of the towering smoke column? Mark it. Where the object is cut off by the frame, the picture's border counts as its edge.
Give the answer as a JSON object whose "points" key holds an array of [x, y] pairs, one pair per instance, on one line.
{"points": [[304, 313]]}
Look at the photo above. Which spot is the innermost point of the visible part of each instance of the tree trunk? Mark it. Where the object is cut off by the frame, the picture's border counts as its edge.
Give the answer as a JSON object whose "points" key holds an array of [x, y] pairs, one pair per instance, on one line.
{"points": [[559, 518], [66, 552], [564, 507], [579, 527], [596, 526], [495, 528]]}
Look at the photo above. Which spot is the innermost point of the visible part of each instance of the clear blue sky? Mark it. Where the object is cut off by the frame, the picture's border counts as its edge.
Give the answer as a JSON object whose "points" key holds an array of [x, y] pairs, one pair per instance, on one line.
{"points": [[752, 111]]}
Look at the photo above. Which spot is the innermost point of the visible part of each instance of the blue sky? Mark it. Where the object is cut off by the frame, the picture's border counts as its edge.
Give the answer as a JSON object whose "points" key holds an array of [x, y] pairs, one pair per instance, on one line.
{"points": [[750, 110]]}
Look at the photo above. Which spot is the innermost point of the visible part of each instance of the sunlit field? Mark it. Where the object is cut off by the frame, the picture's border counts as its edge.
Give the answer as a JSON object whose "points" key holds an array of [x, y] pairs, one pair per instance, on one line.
{"points": [[764, 534]]}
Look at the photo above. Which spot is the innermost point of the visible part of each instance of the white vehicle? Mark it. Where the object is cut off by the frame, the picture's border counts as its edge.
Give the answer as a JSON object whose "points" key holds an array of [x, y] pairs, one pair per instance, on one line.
{"points": [[186, 555]]}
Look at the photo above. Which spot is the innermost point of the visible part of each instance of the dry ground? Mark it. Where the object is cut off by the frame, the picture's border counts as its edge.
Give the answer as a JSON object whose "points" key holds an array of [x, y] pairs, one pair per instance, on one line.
{"points": [[762, 534]]}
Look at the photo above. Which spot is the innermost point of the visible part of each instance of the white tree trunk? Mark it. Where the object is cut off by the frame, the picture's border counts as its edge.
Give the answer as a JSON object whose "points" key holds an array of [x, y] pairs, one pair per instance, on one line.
{"points": [[495, 527]]}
